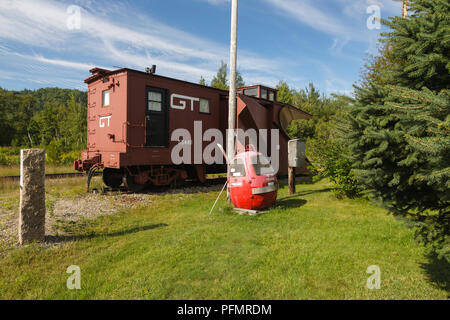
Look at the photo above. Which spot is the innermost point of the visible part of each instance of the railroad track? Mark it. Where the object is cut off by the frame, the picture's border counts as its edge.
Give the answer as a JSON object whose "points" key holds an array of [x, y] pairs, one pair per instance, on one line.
{"points": [[209, 181], [47, 176], [189, 186]]}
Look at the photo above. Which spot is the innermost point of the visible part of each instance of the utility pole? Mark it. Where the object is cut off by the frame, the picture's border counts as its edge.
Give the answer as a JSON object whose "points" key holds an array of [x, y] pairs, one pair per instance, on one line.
{"points": [[405, 9], [232, 92]]}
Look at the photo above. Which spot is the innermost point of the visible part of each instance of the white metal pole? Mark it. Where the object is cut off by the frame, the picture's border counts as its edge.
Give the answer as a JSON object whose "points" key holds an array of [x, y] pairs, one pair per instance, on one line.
{"points": [[232, 92]]}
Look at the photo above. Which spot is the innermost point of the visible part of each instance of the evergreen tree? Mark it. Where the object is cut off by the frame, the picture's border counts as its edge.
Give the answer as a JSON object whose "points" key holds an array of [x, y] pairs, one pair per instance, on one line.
{"points": [[400, 124], [220, 80], [284, 93]]}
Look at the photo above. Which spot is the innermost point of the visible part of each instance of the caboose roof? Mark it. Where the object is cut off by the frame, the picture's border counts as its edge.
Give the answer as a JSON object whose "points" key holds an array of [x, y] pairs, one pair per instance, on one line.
{"points": [[98, 73]]}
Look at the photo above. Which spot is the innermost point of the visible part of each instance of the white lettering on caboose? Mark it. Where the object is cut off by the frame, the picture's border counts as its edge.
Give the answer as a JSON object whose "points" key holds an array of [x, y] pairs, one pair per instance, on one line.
{"points": [[101, 121], [182, 100]]}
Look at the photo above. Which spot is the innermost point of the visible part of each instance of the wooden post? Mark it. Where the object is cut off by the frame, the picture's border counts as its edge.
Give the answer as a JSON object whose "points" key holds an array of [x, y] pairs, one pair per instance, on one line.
{"points": [[291, 180], [296, 159]]}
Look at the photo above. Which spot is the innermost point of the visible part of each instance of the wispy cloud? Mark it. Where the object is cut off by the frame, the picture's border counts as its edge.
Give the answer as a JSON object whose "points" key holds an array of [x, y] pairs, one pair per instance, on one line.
{"points": [[343, 21], [36, 42], [327, 18], [118, 36], [305, 12], [64, 63], [39, 58], [216, 2]]}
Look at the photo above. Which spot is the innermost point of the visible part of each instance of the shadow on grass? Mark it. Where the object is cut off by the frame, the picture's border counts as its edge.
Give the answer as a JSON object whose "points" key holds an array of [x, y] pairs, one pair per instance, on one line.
{"points": [[299, 179], [438, 271], [289, 203], [293, 201], [66, 238], [304, 193], [184, 187]]}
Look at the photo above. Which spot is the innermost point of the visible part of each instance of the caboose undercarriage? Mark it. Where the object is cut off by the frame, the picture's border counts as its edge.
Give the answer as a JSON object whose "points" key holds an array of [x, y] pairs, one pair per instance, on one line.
{"points": [[138, 177]]}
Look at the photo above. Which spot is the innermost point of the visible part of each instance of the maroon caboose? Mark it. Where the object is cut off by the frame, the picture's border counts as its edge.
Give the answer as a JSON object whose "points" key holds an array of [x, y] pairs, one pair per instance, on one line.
{"points": [[132, 115]]}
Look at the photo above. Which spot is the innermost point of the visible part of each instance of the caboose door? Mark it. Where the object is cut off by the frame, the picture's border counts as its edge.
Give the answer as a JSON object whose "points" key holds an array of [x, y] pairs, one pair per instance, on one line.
{"points": [[157, 118]]}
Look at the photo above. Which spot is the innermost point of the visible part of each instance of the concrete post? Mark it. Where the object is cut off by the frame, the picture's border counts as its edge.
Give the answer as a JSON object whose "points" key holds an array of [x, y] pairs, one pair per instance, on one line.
{"points": [[32, 196]]}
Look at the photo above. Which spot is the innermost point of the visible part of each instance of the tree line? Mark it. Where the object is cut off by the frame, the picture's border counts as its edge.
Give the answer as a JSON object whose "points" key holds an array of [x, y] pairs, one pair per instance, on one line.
{"points": [[50, 118]]}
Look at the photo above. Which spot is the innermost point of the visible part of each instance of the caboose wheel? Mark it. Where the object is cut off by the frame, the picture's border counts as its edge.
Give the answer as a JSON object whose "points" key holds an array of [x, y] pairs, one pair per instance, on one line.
{"points": [[112, 177], [130, 184]]}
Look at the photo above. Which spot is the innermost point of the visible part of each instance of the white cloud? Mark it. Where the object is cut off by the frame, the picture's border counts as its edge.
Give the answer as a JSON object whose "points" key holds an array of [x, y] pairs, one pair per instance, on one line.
{"points": [[356, 9], [216, 2], [39, 58], [121, 36], [349, 26], [64, 63], [115, 34], [306, 13], [342, 20]]}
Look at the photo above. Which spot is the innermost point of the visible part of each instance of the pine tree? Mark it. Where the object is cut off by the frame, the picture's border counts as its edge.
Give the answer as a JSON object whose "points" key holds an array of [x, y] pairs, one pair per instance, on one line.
{"points": [[220, 81], [400, 125], [284, 93]]}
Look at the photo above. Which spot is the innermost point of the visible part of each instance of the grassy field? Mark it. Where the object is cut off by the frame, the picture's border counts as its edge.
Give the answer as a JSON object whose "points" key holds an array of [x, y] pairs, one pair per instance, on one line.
{"points": [[14, 170], [309, 246]]}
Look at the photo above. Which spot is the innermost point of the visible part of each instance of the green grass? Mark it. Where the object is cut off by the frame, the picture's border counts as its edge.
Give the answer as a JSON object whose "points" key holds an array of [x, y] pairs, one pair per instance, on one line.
{"points": [[309, 246], [14, 170]]}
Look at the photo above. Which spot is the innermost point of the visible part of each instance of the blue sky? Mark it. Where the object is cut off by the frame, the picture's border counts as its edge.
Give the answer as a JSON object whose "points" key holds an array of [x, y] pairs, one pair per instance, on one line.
{"points": [[299, 41]]}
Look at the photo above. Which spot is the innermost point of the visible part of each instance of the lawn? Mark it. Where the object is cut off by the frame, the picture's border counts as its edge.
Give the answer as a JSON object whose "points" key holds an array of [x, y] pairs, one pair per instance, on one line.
{"points": [[14, 170], [309, 246]]}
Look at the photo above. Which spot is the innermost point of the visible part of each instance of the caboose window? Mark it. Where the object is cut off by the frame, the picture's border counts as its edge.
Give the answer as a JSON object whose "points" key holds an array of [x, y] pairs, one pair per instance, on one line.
{"points": [[154, 101], [253, 92], [263, 93], [204, 106], [271, 95], [106, 98]]}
